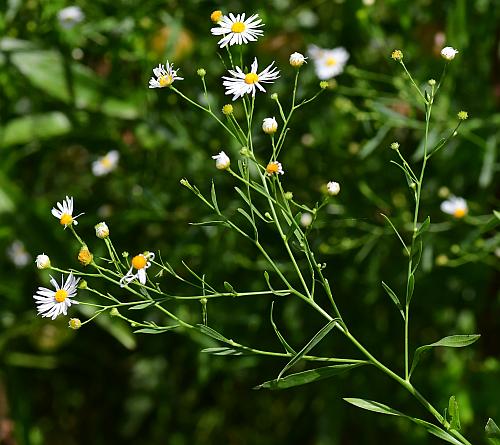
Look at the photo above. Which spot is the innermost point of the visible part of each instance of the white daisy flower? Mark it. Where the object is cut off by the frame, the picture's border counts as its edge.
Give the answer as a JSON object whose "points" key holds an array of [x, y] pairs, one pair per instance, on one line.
{"points": [[333, 188], [269, 125], [222, 161], [236, 30], [64, 212], [274, 167], [164, 76], [449, 53], [70, 16], [328, 62], [52, 303], [455, 206], [18, 254], [42, 261], [140, 262], [297, 60], [106, 164], [242, 83]]}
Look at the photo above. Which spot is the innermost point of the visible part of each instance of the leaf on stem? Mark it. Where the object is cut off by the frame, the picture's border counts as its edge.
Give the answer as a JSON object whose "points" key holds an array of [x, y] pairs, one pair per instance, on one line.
{"points": [[275, 292], [222, 351], [377, 407], [454, 414], [282, 340], [396, 232], [424, 227], [311, 344], [492, 432], [230, 288], [453, 341], [309, 376], [410, 288], [214, 198], [394, 298], [250, 204], [156, 330]]}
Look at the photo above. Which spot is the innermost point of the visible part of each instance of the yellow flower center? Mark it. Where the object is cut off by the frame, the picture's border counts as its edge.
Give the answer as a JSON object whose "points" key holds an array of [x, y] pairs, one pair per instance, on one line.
{"points": [[165, 81], [272, 168], [66, 219], [216, 16], [139, 262], [106, 162], [61, 295], [459, 213], [330, 61], [238, 27], [251, 78]]}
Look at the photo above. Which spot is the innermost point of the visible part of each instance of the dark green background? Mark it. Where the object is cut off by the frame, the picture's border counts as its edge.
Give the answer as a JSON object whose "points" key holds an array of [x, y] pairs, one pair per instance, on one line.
{"points": [[102, 385]]}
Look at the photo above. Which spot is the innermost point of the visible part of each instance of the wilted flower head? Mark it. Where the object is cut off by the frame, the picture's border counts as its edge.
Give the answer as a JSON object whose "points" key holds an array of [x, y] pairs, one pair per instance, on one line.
{"points": [[269, 125], [449, 53], [18, 254], [164, 76], [52, 303], [328, 62], [42, 261], [241, 83], [101, 230], [455, 206], [236, 30], [64, 212], [106, 164], [274, 168], [70, 16], [297, 60], [333, 188], [140, 263], [222, 161], [85, 256]]}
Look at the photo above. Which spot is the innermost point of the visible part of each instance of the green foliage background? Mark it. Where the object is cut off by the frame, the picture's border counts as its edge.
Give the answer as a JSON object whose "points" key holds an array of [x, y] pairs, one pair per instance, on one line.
{"points": [[68, 96]]}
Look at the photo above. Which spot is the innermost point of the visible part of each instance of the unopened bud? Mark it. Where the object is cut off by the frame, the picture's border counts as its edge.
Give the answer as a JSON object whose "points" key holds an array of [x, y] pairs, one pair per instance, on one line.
{"points": [[102, 230], [85, 256], [75, 323]]}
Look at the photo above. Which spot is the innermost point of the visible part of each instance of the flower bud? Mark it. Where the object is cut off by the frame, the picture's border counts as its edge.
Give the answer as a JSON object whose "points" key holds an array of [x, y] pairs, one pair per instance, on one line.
{"points": [[269, 125], [82, 284], [463, 115], [395, 146], [397, 54], [101, 230], [245, 152], [297, 60], [222, 161], [85, 256], [333, 188], [227, 109], [288, 196], [431, 82], [75, 323], [274, 96], [201, 72], [323, 84], [42, 261], [449, 53], [114, 312]]}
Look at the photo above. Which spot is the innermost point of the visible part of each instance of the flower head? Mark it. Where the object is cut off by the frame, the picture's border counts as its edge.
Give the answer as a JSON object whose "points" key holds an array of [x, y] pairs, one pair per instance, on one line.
{"points": [[164, 76], [397, 54], [274, 168], [64, 212], [42, 261], [18, 254], [463, 115], [101, 230], [227, 109], [297, 60], [85, 256], [106, 164], [269, 125], [75, 323], [449, 53], [52, 303], [242, 83], [328, 62], [333, 188], [394, 145], [70, 16], [140, 263], [216, 16], [306, 219], [222, 161], [236, 30], [455, 206]]}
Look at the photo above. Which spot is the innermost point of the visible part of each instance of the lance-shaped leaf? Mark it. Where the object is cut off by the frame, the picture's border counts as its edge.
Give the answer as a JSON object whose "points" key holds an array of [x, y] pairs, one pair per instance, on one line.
{"points": [[223, 351], [309, 376], [250, 204], [454, 414], [312, 343], [394, 298], [156, 330], [492, 432], [424, 226], [212, 333], [282, 340], [377, 407], [453, 341]]}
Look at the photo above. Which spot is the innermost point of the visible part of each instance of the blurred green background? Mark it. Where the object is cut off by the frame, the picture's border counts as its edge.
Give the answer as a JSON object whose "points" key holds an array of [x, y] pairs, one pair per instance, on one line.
{"points": [[69, 95]]}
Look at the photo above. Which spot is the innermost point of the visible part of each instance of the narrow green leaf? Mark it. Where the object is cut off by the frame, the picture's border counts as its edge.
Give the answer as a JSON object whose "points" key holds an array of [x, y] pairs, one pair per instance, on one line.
{"points": [[488, 167], [496, 213], [214, 198], [453, 341], [410, 288], [454, 414], [492, 432], [394, 298], [396, 232], [275, 292], [212, 333], [424, 226], [158, 330], [222, 351], [248, 217], [311, 344], [250, 204], [292, 228], [417, 255], [229, 288], [282, 340], [309, 376], [374, 142], [142, 305], [210, 223]]}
